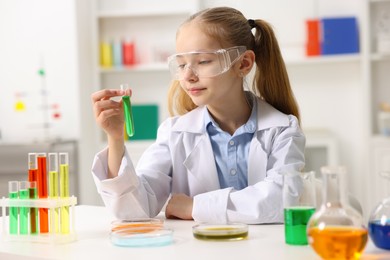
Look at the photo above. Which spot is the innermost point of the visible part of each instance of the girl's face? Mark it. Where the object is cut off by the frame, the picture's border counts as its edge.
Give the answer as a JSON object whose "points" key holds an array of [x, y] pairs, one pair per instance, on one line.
{"points": [[212, 91]]}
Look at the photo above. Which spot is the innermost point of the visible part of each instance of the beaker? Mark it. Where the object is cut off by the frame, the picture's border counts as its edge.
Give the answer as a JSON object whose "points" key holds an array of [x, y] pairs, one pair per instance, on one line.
{"points": [[379, 222], [299, 203], [336, 230]]}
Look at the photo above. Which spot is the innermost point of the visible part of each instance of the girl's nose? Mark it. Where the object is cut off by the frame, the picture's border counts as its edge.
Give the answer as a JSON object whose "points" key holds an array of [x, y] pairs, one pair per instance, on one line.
{"points": [[190, 74]]}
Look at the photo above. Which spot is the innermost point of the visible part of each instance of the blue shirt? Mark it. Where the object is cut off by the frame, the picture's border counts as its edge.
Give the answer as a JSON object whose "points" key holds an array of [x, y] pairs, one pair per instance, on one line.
{"points": [[231, 152]]}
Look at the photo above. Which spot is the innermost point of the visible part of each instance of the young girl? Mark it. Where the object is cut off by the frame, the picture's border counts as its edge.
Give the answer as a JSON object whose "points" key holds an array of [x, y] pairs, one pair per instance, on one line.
{"points": [[221, 158]]}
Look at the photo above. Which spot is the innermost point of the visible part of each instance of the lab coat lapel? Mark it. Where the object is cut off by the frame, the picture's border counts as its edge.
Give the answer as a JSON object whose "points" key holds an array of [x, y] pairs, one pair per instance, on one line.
{"points": [[200, 163]]}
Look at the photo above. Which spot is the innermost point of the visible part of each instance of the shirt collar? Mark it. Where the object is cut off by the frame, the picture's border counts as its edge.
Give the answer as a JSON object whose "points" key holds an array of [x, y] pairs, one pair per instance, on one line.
{"points": [[249, 126]]}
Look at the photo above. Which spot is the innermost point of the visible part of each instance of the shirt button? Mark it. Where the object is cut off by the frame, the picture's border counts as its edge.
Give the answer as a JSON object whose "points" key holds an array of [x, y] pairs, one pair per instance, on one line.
{"points": [[233, 171], [231, 142]]}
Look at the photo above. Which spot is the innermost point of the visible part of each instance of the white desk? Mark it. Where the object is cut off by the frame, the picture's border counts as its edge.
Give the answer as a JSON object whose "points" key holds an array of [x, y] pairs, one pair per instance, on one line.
{"points": [[93, 226]]}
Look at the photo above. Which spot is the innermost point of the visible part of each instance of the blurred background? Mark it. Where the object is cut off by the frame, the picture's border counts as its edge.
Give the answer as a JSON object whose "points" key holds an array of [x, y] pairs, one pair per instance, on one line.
{"points": [[55, 54]]}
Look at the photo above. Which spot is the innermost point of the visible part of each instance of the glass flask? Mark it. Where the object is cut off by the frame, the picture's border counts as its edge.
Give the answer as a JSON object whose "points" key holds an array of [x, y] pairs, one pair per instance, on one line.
{"points": [[379, 222], [336, 230]]}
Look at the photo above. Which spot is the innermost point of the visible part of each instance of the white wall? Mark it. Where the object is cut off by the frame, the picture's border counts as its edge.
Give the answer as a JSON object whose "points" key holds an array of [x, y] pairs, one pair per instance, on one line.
{"points": [[36, 34]]}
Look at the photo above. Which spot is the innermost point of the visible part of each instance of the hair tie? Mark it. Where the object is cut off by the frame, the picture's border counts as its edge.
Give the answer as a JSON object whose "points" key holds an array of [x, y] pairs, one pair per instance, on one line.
{"points": [[252, 23]]}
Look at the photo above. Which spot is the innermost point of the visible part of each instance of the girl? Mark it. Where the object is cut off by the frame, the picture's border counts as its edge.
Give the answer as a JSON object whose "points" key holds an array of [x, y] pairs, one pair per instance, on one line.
{"points": [[221, 157]]}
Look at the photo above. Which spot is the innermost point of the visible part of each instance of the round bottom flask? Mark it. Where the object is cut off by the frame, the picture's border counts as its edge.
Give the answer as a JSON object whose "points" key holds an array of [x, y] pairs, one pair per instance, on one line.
{"points": [[336, 230], [379, 222]]}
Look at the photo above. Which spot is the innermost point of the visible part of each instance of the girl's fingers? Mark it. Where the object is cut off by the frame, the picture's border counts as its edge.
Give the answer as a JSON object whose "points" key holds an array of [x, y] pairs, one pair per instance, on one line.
{"points": [[106, 94], [103, 105]]}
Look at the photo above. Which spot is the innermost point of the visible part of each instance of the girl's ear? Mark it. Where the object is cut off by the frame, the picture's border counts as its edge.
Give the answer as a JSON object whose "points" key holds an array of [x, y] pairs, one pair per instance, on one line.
{"points": [[246, 64]]}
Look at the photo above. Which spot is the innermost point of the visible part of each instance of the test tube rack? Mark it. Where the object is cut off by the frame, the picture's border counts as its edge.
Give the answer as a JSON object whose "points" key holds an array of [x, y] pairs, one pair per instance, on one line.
{"points": [[51, 237]]}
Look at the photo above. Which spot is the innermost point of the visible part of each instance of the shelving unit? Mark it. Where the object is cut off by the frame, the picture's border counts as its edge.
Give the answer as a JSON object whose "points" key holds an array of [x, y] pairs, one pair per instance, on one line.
{"points": [[378, 68], [152, 26]]}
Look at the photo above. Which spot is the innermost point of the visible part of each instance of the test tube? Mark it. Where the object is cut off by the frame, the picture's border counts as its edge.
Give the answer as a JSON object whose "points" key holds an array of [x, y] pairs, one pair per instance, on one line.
{"points": [[23, 216], [53, 192], [129, 123], [64, 190], [32, 192], [32, 178], [42, 192], [13, 211]]}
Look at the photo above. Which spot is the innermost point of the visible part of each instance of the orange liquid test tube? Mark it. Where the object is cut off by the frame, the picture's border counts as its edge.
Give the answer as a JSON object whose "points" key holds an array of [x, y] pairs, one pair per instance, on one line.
{"points": [[42, 193], [33, 178]]}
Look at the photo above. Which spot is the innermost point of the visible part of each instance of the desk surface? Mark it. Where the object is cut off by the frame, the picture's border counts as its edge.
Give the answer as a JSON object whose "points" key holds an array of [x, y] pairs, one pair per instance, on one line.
{"points": [[93, 226]]}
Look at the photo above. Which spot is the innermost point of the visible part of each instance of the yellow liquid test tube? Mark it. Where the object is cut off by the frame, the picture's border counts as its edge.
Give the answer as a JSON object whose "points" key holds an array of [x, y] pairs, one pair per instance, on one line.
{"points": [[129, 122], [64, 191], [54, 192]]}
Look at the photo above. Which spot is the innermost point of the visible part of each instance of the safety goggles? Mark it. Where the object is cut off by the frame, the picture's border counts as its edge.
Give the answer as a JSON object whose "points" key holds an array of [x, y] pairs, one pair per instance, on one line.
{"points": [[204, 64]]}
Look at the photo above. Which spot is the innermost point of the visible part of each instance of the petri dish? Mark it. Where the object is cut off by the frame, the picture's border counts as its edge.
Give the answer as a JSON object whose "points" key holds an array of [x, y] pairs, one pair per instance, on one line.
{"points": [[231, 232], [142, 237], [137, 223]]}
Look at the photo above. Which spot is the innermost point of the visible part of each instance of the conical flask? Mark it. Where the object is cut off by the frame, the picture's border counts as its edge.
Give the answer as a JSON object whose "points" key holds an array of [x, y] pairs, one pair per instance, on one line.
{"points": [[379, 222], [336, 230]]}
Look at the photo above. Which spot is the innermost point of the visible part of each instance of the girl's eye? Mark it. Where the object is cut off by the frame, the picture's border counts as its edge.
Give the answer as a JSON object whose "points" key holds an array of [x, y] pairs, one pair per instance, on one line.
{"points": [[181, 66], [204, 62]]}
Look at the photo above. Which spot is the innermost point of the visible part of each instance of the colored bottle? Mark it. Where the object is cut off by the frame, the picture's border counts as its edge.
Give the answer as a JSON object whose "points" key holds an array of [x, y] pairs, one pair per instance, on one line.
{"points": [[13, 211], [64, 191], [128, 52], [106, 54], [295, 223], [54, 192], [42, 192], [117, 53], [33, 178], [23, 216]]}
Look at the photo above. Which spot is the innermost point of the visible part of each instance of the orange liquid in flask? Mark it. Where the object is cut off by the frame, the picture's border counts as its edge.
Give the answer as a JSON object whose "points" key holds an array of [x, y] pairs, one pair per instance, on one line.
{"points": [[338, 242]]}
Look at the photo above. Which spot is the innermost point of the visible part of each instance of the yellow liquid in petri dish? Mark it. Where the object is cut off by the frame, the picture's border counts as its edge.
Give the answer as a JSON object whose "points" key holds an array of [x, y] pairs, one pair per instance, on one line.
{"points": [[220, 232], [338, 242]]}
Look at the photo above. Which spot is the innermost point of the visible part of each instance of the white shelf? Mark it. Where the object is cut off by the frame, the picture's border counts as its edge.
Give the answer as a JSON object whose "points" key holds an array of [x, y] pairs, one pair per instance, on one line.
{"points": [[380, 57], [135, 14], [151, 67], [324, 59]]}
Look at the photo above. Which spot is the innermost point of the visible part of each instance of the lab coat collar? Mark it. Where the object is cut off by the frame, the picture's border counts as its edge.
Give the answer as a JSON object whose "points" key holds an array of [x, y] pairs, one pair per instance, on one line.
{"points": [[267, 117]]}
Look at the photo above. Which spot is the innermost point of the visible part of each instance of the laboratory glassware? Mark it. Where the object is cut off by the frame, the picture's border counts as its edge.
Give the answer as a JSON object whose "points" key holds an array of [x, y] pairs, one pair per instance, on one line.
{"points": [[53, 192], [336, 230], [42, 192], [13, 193], [299, 203], [33, 194], [33, 178], [64, 190], [129, 122], [379, 222], [23, 212]]}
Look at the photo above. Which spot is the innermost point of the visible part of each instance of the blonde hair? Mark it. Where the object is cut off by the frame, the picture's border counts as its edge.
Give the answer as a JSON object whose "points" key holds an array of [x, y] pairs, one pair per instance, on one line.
{"points": [[230, 28]]}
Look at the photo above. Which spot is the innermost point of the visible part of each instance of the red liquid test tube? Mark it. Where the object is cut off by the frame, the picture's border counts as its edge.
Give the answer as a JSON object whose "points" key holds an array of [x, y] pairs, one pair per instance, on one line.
{"points": [[42, 192]]}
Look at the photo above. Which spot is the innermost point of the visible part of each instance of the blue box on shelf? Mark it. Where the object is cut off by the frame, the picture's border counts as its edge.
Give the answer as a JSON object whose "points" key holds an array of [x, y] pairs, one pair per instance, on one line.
{"points": [[340, 35]]}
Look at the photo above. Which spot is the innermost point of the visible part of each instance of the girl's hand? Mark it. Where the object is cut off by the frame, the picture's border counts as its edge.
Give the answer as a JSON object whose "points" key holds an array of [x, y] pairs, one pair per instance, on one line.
{"points": [[179, 206], [109, 113]]}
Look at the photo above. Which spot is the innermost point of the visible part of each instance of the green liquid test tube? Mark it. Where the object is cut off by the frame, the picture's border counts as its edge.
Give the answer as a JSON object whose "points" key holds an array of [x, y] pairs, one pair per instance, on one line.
{"points": [[53, 192], [23, 218], [64, 191], [33, 194], [129, 122], [13, 211]]}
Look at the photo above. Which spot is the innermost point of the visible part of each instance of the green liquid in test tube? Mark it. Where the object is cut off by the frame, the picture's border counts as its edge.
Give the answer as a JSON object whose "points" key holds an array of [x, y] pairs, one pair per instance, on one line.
{"points": [[64, 191], [33, 194], [13, 211], [23, 219], [53, 192], [129, 123]]}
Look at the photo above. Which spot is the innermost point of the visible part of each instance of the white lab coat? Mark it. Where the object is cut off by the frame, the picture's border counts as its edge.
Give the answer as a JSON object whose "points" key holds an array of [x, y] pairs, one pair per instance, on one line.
{"points": [[182, 161]]}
